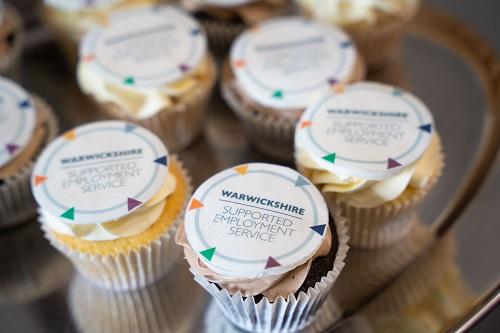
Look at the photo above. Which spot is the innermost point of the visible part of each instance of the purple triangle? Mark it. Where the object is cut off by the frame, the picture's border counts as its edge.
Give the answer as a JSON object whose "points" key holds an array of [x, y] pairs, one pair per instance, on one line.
{"points": [[332, 81], [271, 262], [132, 203], [11, 148], [392, 163], [184, 68]]}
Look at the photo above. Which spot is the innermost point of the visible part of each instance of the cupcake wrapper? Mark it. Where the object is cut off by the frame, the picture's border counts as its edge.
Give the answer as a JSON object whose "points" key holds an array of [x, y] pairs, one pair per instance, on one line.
{"points": [[221, 35], [177, 127], [282, 315], [270, 135], [377, 227], [128, 271], [17, 204]]}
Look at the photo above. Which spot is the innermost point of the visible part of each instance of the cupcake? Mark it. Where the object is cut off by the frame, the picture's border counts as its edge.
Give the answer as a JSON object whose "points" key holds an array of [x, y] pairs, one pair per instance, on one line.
{"points": [[225, 19], [11, 40], [277, 69], [258, 238], [150, 66], [70, 20], [27, 125], [110, 200], [377, 26], [373, 151]]}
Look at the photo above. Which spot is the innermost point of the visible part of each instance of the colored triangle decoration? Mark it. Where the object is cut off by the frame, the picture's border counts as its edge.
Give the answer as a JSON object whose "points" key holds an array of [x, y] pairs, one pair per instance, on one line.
{"points": [[332, 81], [305, 124], [11, 148], [320, 229], [129, 80], [397, 92], [278, 94], [24, 104], [345, 44], [69, 214], [39, 180], [330, 157], [426, 128], [195, 204], [242, 169], [129, 128], [392, 163], [208, 253], [132, 203], [271, 262], [301, 182], [161, 160], [239, 63], [70, 135], [184, 68], [89, 58], [195, 32]]}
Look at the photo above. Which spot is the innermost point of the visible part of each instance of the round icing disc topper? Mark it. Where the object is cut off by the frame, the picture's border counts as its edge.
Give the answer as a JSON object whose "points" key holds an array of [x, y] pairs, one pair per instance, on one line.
{"points": [[256, 220], [79, 4], [287, 62], [369, 130], [17, 120], [99, 172], [146, 47]]}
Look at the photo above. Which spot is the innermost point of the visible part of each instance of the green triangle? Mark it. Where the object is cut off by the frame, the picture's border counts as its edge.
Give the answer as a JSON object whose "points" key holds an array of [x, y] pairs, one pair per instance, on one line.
{"points": [[69, 214], [208, 253], [129, 80], [278, 94], [330, 157]]}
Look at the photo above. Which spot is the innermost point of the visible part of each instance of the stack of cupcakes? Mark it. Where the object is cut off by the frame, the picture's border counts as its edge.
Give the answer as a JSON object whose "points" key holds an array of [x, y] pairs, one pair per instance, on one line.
{"points": [[258, 238], [150, 66], [279, 68], [111, 199], [374, 152], [27, 125]]}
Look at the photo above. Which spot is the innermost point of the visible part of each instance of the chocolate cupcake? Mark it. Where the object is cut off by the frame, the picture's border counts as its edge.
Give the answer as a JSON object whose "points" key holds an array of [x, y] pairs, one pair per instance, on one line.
{"points": [[259, 240]]}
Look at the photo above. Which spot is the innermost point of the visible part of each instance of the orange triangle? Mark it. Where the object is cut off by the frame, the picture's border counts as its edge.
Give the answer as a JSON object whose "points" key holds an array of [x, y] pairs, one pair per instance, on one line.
{"points": [[242, 169], [305, 124], [255, 28], [339, 88], [239, 63], [89, 58], [70, 135], [195, 204], [39, 179]]}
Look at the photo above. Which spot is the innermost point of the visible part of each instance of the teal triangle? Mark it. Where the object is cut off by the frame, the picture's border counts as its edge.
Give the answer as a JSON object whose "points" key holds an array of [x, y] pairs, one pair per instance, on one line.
{"points": [[330, 157], [278, 94], [397, 92], [301, 182], [129, 80], [320, 229], [426, 128], [161, 160], [69, 214], [208, 253], [129, 128]]}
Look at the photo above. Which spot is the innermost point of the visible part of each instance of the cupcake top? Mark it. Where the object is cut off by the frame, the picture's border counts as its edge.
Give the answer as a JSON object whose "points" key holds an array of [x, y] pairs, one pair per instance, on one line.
{"points": [[360, 13], [286, 63], [255, 221], [371, 139], [18, 119], [143, 59], [102, 181], [74, 5]]}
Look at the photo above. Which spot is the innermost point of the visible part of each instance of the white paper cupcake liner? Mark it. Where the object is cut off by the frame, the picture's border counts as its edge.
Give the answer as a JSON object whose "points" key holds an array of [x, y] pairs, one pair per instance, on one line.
{"points": [[135, 269], [17, 204], [282, 315]]}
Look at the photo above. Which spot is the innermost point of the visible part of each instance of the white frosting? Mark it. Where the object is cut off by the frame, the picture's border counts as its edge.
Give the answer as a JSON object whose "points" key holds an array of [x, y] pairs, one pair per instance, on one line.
{"points": [[127, 226]]}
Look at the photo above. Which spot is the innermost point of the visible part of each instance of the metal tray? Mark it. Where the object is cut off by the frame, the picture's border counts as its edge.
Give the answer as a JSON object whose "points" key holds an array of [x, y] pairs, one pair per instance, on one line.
{"points": [[450, 68]]}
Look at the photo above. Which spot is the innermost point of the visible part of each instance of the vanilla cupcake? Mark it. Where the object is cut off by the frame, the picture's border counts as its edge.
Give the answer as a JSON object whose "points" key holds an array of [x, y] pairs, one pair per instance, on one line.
{"points": [[150, 66], [280, 67], [11, 41], [258, 238], [373, 151], [110, 200], [27, 125], [70, 20], [377, 26], [225, 19]]}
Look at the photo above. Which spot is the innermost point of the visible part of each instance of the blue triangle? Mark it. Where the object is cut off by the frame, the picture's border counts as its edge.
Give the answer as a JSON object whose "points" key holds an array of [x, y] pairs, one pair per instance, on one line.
{"points": [[320, 229], [162, 160], [129, 128], [397, 92], [426, 128], [195, 32], [301, 182], [24, 104], [345, 44]]}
